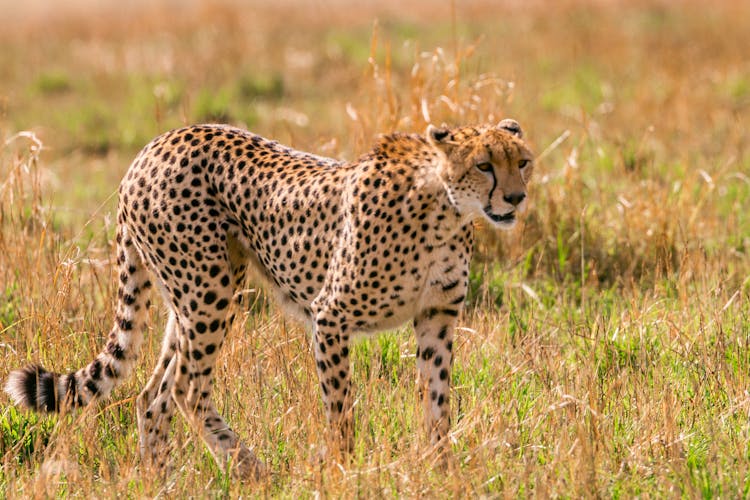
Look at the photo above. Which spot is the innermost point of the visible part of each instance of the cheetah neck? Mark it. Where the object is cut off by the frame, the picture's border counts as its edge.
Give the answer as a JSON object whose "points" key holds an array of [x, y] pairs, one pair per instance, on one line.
{"points": [[434, 207], [405, 167]]}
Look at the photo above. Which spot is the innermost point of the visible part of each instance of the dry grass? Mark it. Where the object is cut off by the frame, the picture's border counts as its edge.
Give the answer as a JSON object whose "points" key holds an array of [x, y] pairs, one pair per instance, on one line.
{"points": [[605, 350]]}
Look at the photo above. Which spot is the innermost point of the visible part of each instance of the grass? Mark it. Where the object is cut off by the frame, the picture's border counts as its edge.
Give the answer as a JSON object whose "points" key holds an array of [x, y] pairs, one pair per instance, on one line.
{"points": [[605, 349]]}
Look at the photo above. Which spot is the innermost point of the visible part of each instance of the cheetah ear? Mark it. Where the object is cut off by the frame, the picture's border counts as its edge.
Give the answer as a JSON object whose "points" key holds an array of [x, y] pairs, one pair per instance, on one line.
{"points": [[440, 137], [511, 126]]}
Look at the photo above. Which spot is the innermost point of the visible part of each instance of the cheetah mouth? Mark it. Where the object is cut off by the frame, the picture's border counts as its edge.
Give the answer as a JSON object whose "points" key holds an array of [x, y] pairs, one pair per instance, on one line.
{"points": [[507, 218]]}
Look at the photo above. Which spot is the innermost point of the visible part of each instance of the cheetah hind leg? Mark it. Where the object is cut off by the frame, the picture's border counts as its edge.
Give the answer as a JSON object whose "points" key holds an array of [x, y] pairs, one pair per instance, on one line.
{"points": [[155, 406], [200, 337], [331, 347]]}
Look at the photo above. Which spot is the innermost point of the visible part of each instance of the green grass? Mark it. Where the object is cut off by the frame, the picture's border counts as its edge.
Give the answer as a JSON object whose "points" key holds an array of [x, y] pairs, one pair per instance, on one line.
{"points": [[53, 82], [605, 348]]}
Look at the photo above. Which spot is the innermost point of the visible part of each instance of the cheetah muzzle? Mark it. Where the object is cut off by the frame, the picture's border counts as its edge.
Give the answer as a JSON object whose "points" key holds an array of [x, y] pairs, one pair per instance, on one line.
{"points": [[350, 248]]}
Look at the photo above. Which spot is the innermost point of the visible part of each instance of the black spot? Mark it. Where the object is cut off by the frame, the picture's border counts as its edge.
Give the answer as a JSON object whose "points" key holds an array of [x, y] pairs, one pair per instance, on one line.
{"points": [[458, 300], [92, 387], [95, 370], [115, 350], [39, 386], [431, 313], [29, 381], [71, 388]]}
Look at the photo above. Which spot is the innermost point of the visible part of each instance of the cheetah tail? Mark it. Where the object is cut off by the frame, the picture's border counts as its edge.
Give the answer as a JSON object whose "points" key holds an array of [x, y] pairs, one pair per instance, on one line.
{"points": [[36, 388]]}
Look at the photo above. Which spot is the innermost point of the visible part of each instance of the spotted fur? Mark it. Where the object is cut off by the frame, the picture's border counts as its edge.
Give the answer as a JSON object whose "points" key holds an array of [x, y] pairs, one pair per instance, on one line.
{"points": [[348, 247]]}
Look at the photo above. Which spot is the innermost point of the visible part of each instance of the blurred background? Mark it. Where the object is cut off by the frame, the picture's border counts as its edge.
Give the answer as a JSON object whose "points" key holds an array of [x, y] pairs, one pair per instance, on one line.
{"points": [[646, 87]]}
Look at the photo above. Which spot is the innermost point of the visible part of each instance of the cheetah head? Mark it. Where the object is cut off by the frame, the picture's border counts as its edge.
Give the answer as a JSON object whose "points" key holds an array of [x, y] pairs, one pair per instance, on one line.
{"points": [[485, 170]]}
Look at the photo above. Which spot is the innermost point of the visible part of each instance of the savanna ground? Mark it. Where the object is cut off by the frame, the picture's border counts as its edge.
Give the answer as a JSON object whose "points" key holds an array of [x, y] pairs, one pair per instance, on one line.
{"points": [[605, 350]]}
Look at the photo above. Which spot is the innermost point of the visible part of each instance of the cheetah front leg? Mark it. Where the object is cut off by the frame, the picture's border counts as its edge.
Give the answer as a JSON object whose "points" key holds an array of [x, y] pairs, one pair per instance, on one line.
{"points": [[434, 326], [434, 330], [332, 361]]}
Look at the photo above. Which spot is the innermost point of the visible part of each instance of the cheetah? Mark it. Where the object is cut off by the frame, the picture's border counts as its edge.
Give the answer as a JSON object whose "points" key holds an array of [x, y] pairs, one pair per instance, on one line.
{"points": [[348, 247]]}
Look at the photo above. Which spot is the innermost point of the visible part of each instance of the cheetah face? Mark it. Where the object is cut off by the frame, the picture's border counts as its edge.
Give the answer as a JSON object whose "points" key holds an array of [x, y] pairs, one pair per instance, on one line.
{"points": [[485, 170]]}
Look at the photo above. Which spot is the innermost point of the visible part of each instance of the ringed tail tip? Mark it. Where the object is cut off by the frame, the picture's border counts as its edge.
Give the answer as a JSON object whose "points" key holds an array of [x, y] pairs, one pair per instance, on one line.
{"points": [[33, 387]]}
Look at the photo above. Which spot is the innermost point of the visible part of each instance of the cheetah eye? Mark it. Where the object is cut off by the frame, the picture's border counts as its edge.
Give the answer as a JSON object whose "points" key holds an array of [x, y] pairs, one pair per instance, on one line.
{"points": [[523, 163], [485, 166]]}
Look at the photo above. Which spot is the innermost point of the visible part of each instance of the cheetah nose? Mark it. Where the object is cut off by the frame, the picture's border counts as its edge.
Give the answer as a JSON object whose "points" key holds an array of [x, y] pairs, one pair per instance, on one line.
{"points": [[514, 198]]}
